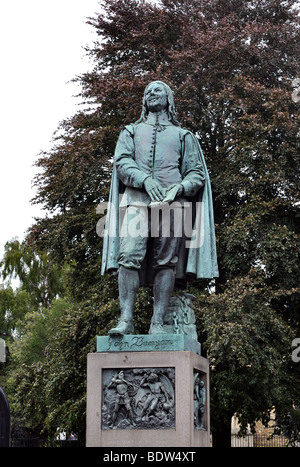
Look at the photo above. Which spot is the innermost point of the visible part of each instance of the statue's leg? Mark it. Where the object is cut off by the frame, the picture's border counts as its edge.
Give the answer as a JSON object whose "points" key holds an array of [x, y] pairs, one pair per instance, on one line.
{"points": [[129, 283], [131, 254], [165, 248], [163, 288]]}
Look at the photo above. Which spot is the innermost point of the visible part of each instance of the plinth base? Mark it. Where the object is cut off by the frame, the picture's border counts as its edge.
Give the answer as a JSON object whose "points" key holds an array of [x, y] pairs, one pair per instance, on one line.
{"points": [[147, 399]]}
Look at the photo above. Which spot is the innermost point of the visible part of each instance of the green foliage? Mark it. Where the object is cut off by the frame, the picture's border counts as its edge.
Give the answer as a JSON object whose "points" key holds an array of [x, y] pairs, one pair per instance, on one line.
{"points": [[248, 345], [13, 307], [39, 276], [291, 426], [36, 332]]}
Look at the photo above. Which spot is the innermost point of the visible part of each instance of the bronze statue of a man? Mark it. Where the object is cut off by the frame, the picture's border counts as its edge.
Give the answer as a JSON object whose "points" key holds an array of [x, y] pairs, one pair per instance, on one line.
{"points": [[157, 160]]}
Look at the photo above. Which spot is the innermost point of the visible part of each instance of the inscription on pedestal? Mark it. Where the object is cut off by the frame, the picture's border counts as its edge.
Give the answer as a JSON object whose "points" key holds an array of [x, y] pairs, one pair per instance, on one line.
{"points": [[147, 343], [142, 398]]}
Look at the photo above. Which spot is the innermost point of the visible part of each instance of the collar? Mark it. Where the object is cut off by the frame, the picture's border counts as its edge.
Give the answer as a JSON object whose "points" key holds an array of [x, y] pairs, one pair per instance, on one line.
{"points": [[158, 118]]}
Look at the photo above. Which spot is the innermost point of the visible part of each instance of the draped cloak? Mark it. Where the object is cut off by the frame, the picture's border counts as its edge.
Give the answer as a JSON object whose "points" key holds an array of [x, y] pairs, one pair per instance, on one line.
{"points": [[197, 257]]}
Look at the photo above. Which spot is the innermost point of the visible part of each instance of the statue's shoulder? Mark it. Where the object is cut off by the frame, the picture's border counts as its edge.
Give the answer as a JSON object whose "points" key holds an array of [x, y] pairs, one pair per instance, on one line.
{"points": [[184, 132], [128, 129], [131, 128]]}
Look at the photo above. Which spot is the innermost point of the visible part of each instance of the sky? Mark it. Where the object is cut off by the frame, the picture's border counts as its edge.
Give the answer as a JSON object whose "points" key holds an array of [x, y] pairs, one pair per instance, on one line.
{"points": [[41, 46]]}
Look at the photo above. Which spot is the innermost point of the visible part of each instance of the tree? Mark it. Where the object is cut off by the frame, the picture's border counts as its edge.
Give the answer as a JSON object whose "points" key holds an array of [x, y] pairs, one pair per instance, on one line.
{"points": [[231, 64], [35, 271], [30, 372], [248, 344], [13, 307], [29, 315]]}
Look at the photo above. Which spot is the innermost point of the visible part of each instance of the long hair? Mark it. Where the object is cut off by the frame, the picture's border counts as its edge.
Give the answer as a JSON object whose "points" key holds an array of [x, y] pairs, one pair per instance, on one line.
{"points": [[171, 106]]}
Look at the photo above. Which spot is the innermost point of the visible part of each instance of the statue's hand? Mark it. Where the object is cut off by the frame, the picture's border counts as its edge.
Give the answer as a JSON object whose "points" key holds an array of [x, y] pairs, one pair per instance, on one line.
{"points": [[154, 189], [179, 189]]}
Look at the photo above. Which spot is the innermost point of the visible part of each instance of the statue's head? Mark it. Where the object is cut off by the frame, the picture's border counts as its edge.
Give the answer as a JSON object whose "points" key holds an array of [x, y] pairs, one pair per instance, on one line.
{"points": [[170, 106], [152, 377], [155, 97]]}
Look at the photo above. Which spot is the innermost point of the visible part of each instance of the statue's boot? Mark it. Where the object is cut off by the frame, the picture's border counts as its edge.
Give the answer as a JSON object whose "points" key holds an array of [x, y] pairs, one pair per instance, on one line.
{"points": [[129, 283], [163, 288], [124, 326]]}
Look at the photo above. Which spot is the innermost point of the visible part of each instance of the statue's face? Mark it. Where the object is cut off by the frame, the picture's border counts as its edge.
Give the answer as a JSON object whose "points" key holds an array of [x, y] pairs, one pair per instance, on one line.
{"points": [[152, 378], [156, 97]]}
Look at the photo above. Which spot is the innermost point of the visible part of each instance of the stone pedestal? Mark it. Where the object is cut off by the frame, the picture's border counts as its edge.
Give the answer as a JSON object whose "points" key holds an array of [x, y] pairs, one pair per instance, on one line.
{"points": [[147, 399]]}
